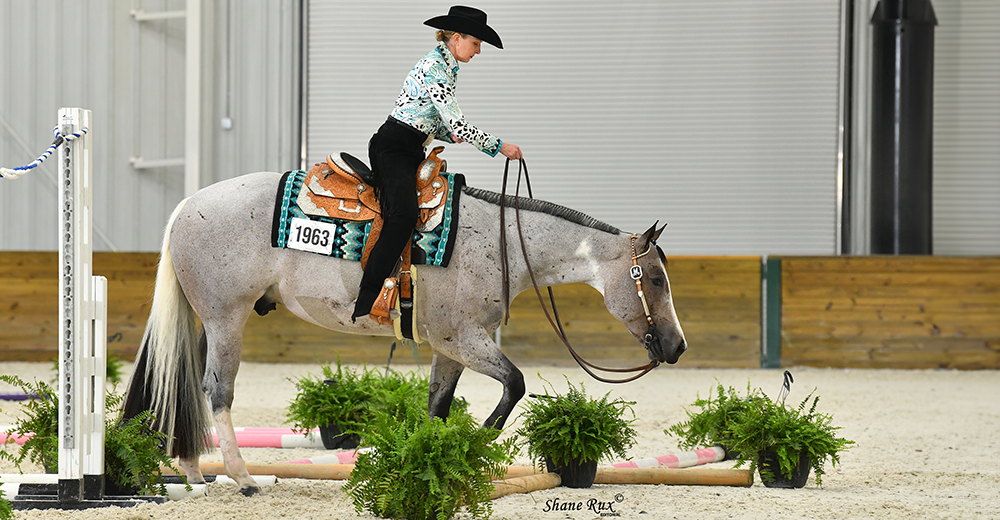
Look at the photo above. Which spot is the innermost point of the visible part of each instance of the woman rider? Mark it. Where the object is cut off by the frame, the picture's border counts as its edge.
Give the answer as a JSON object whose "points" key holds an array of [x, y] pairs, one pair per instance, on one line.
{"points": [[425, 110]]}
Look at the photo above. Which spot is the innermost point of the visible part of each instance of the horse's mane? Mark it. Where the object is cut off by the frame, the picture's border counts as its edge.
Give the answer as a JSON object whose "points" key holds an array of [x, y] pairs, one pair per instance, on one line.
{"points": [[542, 206]]}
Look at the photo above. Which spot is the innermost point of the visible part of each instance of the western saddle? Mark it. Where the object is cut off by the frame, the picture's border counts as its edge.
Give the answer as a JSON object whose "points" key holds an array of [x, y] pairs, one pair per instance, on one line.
{"points": [[341, 188]]}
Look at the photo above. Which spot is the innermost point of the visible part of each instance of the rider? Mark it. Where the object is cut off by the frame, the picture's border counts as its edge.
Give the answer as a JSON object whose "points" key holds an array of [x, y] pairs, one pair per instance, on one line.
{"points": [[425, 110]]}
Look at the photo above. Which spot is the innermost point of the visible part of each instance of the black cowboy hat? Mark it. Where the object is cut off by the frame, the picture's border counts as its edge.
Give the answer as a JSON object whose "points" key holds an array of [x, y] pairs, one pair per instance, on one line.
{"points": [[467, 20]]}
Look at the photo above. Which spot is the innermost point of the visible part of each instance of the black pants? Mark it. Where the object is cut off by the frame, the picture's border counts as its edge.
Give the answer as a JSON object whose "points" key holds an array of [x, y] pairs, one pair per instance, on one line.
{"points": [[395, 152]]}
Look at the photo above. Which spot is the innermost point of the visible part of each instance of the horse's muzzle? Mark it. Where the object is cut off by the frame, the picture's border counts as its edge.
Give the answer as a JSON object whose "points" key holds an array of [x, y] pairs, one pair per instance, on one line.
{"points": [[660, 351]]}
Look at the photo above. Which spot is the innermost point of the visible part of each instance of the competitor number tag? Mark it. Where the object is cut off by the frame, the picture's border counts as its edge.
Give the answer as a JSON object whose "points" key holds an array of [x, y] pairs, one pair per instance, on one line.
{"points": [[309, 235]]}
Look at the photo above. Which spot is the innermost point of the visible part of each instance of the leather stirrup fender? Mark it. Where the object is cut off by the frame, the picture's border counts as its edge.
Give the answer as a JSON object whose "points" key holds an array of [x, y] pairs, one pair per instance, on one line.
{"points": [[373, 235], [385, 302], [399, 283]]}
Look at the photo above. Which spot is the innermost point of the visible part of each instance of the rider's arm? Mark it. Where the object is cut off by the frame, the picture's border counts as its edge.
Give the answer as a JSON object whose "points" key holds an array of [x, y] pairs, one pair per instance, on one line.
{"points": [[442, 94]]}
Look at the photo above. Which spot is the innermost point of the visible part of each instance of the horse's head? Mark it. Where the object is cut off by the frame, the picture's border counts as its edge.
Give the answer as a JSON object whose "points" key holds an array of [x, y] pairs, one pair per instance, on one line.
{"points": [[646, 307]]}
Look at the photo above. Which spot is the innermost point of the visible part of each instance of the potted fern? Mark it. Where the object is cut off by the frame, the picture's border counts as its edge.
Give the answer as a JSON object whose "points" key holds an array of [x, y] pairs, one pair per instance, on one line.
{"points": [[713, 424], [133, 458], [336, 404], [422, 468], [572, 432], [6, 510], [39, 424], [343, 403], [782, 443]]}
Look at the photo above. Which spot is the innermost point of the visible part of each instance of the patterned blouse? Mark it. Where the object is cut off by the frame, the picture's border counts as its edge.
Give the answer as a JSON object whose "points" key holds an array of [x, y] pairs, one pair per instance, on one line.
{"points": [[427, 102]]}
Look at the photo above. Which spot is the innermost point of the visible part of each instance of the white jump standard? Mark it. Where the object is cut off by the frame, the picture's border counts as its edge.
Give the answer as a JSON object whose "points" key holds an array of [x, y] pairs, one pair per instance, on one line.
{"points": [[82, 329]]}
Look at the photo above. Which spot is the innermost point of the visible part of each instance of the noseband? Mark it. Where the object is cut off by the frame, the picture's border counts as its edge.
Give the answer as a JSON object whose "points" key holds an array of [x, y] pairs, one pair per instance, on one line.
{"points": [[635, 271]]}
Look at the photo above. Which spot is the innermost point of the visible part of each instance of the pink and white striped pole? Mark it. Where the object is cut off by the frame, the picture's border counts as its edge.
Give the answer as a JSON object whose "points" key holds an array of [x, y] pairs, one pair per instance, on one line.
{"points": [[274, 438], [250, 437], [340, 457], [6, 437], [680, 460]]}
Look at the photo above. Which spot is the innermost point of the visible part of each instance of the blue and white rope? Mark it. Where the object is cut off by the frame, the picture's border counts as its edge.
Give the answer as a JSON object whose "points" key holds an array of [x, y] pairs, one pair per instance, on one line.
{"points": [[13, 173]]}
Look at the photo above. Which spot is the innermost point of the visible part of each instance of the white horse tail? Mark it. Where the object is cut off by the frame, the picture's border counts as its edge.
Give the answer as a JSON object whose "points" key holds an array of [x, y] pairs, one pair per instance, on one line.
{"points": [[170, 365]]}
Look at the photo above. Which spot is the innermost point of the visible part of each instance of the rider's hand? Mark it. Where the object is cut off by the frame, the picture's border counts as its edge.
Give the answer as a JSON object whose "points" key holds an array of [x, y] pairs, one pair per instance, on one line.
{"points": [[511, 151]]}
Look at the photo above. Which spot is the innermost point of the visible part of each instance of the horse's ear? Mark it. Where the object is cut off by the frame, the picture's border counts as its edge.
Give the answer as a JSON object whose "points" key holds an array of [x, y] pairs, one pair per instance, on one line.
{"points": [[649, 236], [656, 235]]}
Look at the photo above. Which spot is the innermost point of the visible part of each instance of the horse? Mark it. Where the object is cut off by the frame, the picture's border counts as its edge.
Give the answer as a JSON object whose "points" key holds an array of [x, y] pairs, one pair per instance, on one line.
{"points": [[217, 263]]}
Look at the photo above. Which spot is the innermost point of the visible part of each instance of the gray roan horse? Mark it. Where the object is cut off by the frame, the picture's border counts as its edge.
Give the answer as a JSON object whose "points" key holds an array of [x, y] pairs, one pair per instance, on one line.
{"points": [[217, 263]]}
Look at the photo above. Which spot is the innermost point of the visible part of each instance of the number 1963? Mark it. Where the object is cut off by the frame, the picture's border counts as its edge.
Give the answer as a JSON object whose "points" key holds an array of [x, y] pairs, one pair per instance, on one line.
{"points": [[308, 235], [312, 236]]}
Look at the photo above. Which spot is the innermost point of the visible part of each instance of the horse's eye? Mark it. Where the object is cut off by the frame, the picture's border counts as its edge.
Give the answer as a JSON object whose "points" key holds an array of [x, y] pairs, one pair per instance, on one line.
{"points": [[657, 281]]}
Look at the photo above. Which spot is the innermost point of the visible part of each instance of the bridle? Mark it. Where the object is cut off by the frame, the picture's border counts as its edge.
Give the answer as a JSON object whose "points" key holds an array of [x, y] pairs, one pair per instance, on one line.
{"points": [[635, 272]]}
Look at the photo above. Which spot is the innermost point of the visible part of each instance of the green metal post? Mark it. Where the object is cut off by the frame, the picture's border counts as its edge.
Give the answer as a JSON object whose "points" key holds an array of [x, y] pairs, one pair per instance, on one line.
{"points": [[772, 349]]}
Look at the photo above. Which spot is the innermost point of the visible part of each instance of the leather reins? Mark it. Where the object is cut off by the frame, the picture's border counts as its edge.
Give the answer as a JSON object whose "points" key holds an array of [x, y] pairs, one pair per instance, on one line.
{"points": [[557, 324]]}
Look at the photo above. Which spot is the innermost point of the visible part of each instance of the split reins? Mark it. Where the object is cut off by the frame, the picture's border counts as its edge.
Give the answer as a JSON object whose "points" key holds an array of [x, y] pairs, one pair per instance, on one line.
{"points": [[557, 324]]}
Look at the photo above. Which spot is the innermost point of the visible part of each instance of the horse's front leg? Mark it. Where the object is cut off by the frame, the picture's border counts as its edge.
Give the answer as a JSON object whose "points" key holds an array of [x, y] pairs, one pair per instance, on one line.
{"points": [[444, 378], [477, 351]]}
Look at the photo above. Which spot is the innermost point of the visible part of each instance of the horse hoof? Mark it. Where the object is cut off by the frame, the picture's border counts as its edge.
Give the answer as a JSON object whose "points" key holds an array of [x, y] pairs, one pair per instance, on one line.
{"points": [[248, 491]]}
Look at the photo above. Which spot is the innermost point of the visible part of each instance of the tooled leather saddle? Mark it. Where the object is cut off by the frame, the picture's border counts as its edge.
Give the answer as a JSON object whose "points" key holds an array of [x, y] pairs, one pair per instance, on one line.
{"points": [[341, 188]]}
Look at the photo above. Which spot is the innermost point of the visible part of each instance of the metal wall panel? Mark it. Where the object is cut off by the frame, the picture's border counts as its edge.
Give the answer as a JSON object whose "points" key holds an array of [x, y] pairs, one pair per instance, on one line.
{"points": [[967, 128], [40, 50], [966, 169], [717, 117], [93, 54], [256, 76]]}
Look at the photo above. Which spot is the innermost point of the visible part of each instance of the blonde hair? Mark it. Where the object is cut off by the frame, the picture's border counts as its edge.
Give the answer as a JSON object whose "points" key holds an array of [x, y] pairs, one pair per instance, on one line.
{"points": [[444, 36]]}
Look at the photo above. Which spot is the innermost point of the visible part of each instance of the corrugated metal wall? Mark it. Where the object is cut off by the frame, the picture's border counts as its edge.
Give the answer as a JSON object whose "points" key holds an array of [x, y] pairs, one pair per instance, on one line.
{"points": [[967, 128], [262, 79], [717, 117], [966, 168], [93, 54]]}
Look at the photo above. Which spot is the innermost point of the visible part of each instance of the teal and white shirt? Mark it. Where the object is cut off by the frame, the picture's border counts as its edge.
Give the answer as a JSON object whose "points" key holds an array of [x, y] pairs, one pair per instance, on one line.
{"points": [[427, 102]]}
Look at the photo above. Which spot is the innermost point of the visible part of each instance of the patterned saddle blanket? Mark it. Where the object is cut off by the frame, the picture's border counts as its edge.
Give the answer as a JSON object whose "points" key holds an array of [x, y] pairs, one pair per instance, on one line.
{"points": [[310, 215]]}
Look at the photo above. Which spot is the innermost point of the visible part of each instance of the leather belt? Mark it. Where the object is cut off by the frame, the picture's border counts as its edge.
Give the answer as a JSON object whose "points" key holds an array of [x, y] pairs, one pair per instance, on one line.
{"points": [[423, 136]]}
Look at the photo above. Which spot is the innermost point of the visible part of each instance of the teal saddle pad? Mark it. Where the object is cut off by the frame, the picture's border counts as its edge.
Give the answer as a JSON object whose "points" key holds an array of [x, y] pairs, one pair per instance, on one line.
{"points": [[346, 239]]}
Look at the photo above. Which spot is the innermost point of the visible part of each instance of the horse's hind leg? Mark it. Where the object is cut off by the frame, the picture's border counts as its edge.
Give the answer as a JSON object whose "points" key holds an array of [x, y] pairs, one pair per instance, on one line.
{"points": [[222, 364], [190, 465], [444, 378], [192, 470], [477, 351]]}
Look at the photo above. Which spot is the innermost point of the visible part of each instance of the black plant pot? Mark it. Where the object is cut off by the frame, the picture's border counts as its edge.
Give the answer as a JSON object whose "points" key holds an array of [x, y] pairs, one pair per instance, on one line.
{"points": [[800, 473], [574, 473], [112, 489], [334, 439], [726, 445]]}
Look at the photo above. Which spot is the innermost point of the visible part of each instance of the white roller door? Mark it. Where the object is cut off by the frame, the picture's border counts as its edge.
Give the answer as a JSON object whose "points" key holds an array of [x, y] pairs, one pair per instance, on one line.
{"points": [[967, 128], [718, 117]]}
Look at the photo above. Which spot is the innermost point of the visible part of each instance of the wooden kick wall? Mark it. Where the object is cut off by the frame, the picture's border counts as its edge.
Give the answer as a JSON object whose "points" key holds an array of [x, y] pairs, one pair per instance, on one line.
{"points": [[717, 299], [891, 312], [29, 300]]}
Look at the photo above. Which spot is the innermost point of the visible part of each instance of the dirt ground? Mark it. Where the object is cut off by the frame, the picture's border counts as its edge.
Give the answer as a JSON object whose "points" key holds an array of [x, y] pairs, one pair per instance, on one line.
{"points": [[928, 446]]}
